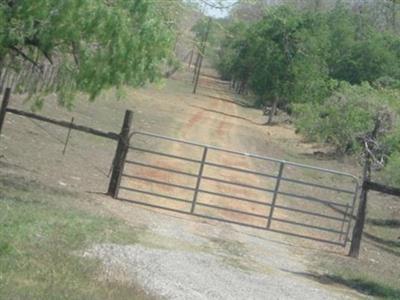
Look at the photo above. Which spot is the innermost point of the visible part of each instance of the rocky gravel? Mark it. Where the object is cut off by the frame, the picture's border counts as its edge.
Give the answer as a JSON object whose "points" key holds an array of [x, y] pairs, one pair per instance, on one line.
{"points": [[175, 274]]}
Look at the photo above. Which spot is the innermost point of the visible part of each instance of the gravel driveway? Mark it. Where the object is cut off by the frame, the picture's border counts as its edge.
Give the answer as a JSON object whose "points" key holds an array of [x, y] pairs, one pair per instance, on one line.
{"points": [[188, 258]]}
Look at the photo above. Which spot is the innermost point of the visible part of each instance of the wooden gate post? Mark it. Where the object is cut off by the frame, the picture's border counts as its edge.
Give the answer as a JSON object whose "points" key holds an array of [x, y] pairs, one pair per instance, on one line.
{"points": [[4, 104], [359, 225], [362, 208], [120, 155]]}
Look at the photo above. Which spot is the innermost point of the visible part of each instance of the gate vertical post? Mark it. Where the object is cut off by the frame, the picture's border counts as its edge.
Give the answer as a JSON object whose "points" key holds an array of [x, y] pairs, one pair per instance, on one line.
{"points": [[120, 155], [196, 191], [351, 214], [343, 222], [362, 208], [275, 196], [68, 136], [359, 224], [4, 104]]}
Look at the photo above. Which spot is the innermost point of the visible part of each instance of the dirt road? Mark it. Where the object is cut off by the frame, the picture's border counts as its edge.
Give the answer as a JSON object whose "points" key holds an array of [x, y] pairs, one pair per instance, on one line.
{"points": [[182, 257]]}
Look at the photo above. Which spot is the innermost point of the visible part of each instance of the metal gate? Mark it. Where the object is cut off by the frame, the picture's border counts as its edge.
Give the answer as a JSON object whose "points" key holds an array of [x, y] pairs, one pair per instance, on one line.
{"points": [[239, 188]]}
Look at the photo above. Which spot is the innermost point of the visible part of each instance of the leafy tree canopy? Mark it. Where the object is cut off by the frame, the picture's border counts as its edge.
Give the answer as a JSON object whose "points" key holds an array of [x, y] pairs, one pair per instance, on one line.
{"points": [[337, 68], [95, 44]]}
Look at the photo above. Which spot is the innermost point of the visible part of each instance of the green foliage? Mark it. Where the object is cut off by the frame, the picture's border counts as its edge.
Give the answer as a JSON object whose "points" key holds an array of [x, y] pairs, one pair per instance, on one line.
{"points": [[278, 56], [43, 234], [339, 120], [391, 172], [296, 55], [357, 51], [335, 68], [345, 116], [96, 44], [229, 55]]}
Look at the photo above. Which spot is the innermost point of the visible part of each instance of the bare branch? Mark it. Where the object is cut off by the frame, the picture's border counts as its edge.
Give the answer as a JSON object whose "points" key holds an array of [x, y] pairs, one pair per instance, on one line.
{"points": [[219, 6], [27, 58], [75, 53]]}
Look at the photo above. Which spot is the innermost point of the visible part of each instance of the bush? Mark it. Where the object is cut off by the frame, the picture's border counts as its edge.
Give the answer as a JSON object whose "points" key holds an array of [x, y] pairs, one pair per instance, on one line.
{"points": [[391, 174], [342, 118]]}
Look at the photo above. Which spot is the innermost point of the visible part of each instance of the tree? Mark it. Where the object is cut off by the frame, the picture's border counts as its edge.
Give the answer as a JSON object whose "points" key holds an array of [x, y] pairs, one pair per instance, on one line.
{"points": [[346, 117], [279, 57], [94, 44]]}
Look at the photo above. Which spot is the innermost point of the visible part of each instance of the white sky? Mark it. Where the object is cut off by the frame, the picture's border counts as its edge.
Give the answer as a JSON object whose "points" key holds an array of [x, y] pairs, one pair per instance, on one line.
{"points": [[216, 12]]}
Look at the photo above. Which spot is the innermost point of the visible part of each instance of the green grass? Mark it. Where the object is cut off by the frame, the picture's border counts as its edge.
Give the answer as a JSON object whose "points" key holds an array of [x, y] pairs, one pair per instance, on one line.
{"points": [[42, 234], [367, 286], [376, 272], [362, 283]]}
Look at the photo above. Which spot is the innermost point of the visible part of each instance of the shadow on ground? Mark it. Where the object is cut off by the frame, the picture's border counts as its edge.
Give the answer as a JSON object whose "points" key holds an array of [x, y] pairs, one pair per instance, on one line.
{"points": [[227, 115], [391, 223], [360, 285], [386, 245], [22, 184]]}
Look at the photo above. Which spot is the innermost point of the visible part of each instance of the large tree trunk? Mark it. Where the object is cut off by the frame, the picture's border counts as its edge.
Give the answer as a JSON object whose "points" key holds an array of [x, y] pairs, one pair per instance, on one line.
{"points": [[272, 112]]}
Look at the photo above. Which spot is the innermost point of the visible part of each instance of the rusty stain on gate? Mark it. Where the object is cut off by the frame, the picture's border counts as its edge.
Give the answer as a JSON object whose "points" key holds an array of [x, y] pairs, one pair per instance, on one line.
{"points": [[239, 188]]}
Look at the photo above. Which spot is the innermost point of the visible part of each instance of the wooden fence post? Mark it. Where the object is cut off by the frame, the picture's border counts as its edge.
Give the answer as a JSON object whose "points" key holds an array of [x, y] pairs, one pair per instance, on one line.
{"points": [[190, 59], [68, 136], [362, 208], [4, 105], [359, 225], [200, 57], [196, 82], [120, 155]]}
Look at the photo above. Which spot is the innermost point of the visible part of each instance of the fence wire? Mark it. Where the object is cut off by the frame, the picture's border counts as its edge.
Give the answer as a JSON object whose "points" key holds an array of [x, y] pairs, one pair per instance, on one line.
{"points": [[72, 146]]}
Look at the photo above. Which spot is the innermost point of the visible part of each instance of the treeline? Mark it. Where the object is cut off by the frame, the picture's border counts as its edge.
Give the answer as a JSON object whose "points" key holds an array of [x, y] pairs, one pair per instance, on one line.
{"points": [[336, 71]]}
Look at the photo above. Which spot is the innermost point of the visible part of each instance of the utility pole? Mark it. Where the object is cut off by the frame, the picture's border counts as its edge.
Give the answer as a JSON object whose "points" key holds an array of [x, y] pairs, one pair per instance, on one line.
{"points": [[203, 50]]}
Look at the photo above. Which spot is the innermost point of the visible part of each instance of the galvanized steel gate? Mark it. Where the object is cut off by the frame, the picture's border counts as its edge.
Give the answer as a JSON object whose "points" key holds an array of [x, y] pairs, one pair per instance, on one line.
{"points": [[239, 188]]}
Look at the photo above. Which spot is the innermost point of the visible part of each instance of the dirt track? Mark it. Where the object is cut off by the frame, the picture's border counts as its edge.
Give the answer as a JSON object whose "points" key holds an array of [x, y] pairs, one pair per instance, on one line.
{"points": [[183, 257]]}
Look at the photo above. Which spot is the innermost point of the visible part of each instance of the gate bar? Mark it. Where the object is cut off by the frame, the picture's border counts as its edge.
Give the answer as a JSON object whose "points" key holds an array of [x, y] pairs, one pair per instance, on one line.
{"points": [[232, 210], [306, 225], [245, 154], [234, 197], [159, 182], [317, 185], [309, 213], [309, 198], [231, 222], [199, 179], [164, 154], [237, 184], [344, 221], [278, 181], [351, 215], [160, 168], [239, 170], [155, 194]]}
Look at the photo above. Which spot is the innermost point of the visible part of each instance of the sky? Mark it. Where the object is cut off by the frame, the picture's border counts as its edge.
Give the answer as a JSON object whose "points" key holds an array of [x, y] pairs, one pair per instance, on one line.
{"points": [[216, 12]]}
